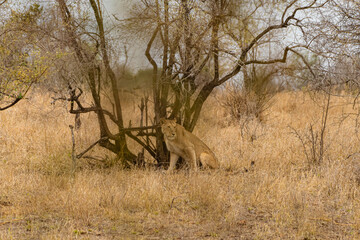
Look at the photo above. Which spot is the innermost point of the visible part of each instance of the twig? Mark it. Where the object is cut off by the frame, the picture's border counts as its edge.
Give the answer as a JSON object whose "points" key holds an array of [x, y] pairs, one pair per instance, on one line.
{"points": [[334, 221], [350, 155], [11, 104], [302, 141], [94, 158], [80, 155], [172, 203], [7, 222], [73, 157]]}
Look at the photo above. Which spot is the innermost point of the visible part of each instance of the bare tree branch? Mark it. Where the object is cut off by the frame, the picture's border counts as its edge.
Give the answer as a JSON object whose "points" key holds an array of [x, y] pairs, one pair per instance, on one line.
{"points": [[147, 52], [283, 24], [287, 8], [11, 104], [17, 99], [78, 156], [4, 1], [151, 151]]}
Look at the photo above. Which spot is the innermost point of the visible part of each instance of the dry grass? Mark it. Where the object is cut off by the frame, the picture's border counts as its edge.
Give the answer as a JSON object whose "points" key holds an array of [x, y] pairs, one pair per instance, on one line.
{"points": [[280, 197]]}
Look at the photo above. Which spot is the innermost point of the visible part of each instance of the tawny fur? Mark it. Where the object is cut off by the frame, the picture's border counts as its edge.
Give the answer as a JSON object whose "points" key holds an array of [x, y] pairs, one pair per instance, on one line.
{"points": [[182, 143]]}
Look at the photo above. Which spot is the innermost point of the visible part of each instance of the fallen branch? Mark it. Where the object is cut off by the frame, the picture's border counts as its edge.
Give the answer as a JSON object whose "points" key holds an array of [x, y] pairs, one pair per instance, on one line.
{"points": [[90, 147]]}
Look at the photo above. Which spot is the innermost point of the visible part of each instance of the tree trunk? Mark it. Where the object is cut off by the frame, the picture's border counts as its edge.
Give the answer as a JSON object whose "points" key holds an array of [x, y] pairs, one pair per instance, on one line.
{"points": [[89, 65]]}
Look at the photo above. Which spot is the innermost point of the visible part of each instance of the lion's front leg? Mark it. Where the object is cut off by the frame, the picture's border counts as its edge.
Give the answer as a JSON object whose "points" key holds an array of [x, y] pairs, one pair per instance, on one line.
{"points": [[190, 151], [173, 160]]}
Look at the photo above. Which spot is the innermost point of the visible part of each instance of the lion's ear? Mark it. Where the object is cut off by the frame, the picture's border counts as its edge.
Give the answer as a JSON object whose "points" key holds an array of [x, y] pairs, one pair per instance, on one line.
{"points": [[162, 121], [173, 121]]}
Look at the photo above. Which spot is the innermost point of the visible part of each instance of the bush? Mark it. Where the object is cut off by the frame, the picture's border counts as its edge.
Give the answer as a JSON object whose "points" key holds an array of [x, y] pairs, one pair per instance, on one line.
{"points": [[244, 105]]}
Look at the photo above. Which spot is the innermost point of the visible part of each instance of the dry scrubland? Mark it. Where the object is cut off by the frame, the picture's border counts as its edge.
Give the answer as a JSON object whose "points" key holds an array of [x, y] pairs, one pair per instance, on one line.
{"points": [[281, 197]]}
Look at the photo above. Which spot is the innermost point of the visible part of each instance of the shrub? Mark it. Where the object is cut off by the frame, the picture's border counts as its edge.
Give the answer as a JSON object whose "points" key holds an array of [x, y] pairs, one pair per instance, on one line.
{"points": [[245, 105]]}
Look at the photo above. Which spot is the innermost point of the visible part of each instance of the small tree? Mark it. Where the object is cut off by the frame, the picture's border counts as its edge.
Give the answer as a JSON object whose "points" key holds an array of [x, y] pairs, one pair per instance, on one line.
{"points": [[23, 61]]}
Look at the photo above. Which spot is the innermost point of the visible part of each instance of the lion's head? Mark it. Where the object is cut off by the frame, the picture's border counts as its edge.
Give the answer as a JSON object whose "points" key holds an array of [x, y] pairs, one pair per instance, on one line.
{"points": [[168, 128]]}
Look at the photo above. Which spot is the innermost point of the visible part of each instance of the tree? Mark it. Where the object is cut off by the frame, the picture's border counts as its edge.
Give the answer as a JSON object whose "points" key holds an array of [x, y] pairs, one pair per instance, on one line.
{"points": [[204, 38], [23, 61], [192, 47], [333, 37], [91, 49]]}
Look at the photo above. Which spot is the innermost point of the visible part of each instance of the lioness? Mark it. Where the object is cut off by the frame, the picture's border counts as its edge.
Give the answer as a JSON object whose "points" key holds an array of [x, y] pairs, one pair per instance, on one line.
{"points": [[182, 143]]}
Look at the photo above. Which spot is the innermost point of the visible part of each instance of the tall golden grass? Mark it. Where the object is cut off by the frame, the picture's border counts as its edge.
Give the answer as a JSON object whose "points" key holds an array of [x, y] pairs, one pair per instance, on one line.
{"points": [[280, 196]]}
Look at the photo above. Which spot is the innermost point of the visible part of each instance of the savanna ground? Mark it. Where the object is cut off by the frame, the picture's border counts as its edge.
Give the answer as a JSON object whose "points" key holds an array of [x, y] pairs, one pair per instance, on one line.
{"points": [[282, 195]]}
